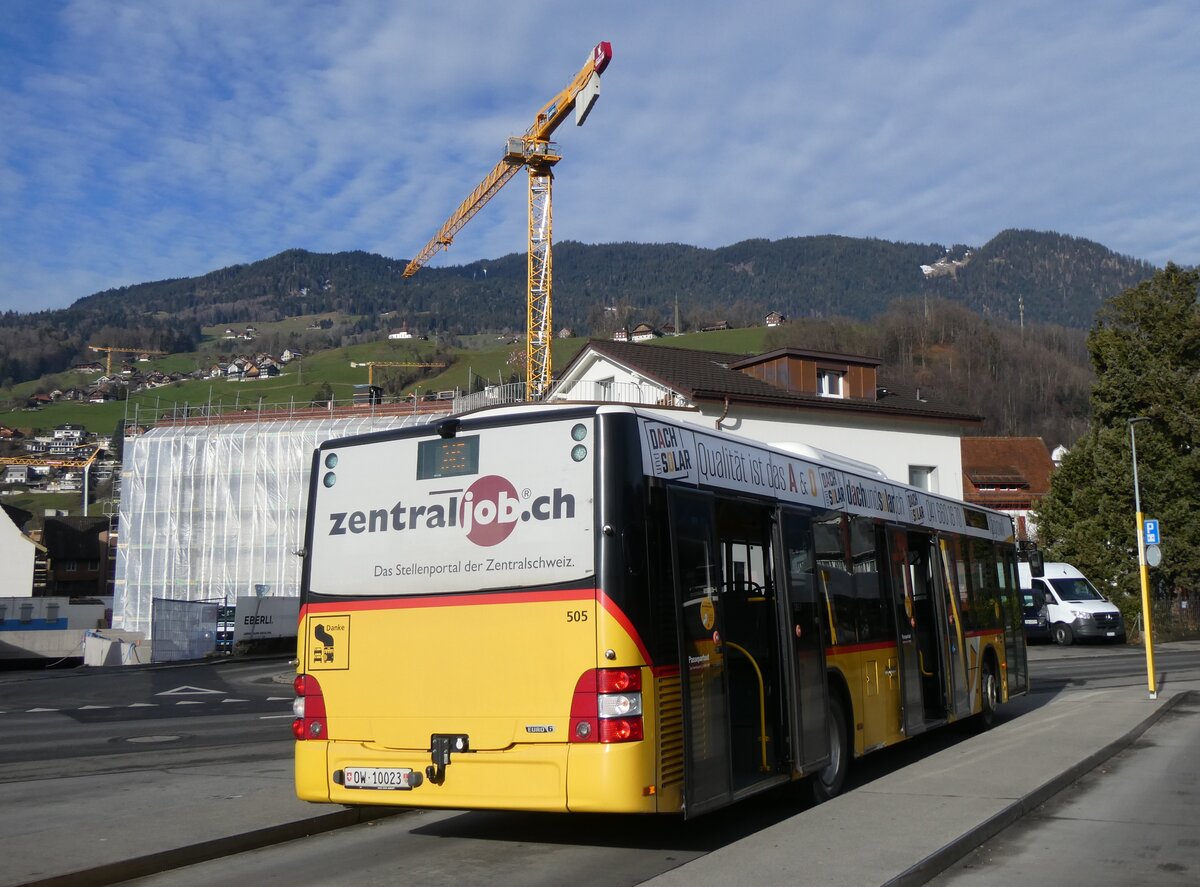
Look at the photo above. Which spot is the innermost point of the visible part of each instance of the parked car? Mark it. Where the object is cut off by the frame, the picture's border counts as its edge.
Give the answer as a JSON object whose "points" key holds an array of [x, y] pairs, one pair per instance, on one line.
{"points": [[1075, 610]]}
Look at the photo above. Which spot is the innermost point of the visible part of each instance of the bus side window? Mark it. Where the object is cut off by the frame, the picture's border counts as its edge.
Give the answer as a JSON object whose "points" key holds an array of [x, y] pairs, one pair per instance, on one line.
{"points": [[866, 553], [656, 586]]}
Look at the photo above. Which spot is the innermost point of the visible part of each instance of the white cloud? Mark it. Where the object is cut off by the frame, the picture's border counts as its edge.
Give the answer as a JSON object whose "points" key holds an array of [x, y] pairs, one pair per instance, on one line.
{"points": [[150, 140]]}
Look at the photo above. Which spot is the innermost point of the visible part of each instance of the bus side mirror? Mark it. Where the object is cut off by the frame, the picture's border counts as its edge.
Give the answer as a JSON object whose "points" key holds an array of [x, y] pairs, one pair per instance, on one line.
{"points": [[1037, 564]]}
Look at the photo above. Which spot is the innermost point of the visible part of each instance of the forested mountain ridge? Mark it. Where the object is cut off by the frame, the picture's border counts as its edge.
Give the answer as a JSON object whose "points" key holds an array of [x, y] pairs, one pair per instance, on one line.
{"points": [[1061, 280]]}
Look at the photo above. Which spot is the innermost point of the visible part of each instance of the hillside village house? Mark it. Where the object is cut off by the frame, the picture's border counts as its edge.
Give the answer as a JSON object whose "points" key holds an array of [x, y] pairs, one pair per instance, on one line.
{"points": [[643, 332], [16, 474], [804, 399]]}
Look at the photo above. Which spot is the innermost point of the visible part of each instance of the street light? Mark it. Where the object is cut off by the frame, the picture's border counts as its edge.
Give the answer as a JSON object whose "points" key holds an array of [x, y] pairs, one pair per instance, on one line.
{"points": [[1145, 576]]}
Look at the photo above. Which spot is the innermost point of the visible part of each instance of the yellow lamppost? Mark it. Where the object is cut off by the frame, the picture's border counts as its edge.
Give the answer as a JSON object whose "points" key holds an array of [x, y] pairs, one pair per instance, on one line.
{"points": [[1145, 575]]}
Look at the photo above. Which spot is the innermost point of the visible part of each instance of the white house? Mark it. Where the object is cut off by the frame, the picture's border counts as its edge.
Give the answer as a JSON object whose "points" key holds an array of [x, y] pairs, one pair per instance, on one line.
{"points": [[643, 332], [401, 333], [831, 402]]}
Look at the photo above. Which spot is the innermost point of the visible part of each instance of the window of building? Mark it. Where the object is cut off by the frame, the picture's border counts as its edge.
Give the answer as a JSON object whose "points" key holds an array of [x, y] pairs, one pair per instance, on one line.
{"points": [[604, 388], [829, 383], [923, 477]]}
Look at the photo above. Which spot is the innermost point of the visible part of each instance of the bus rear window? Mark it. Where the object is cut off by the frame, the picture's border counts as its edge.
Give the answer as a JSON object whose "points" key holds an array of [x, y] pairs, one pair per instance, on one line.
{"points": [[448, 457]]}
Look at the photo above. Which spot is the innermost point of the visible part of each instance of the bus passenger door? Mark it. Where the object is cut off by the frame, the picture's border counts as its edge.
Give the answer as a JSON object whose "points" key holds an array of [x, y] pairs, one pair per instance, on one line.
{"points": [[804, 624], [911, 698], [708, 779], [928, 621], [956, 641], [1014, 625]]}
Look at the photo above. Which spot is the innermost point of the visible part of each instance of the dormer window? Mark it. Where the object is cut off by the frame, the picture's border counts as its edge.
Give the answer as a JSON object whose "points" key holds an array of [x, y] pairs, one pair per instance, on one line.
{"points": [[829, 383]]}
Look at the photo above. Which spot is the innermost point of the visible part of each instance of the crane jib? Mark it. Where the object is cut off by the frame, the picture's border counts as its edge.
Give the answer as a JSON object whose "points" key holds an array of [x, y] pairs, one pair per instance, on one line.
{"points": [[536, 153]]}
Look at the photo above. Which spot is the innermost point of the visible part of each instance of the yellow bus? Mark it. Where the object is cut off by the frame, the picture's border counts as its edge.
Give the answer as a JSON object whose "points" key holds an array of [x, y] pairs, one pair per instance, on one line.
{"points": [[607, 609]]}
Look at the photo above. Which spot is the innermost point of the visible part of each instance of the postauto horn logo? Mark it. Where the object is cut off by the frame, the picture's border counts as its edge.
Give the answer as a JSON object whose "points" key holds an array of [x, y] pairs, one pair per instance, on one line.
{"points": [[487, 512]]}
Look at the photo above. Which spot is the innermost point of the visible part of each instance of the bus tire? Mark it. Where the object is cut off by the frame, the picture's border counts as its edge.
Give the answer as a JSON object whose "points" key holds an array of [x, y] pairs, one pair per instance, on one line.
{"points": [[989, 692], [828, 782], [1063, 634]]}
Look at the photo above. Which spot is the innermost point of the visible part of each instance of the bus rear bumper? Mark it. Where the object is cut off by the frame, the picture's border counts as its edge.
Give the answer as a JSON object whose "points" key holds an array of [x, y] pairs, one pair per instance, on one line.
{"points": [[524, 777], [535, 777]]}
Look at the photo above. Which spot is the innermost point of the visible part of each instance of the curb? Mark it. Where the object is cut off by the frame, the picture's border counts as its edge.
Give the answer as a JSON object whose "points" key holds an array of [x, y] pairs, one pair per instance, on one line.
{"points": [[940, 860], [165, 860]]}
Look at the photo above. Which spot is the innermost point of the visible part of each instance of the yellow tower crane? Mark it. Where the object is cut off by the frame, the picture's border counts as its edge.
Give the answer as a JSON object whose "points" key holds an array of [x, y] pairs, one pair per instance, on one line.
{"points": [[538, 154], [110, 349], [371, 364]]}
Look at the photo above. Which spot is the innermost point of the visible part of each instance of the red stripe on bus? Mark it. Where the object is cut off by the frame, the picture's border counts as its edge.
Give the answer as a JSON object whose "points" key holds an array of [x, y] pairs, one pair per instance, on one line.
{"points": [[860, 648], [983, 633], [616, 613], [452, 600]]}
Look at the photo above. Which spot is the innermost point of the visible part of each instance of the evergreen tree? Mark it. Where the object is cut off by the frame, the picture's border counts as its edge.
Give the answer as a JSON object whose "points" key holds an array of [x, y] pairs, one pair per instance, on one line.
{"points": [[1145, 348]]}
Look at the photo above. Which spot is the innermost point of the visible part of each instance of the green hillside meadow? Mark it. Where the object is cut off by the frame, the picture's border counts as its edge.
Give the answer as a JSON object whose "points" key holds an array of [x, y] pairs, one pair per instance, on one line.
{"points": [[300, 381]]}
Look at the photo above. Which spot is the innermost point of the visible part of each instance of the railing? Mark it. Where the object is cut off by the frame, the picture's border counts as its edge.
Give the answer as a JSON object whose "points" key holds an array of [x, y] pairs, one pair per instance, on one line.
{"points": [[638, 393], [209, 413], [214, 413]]}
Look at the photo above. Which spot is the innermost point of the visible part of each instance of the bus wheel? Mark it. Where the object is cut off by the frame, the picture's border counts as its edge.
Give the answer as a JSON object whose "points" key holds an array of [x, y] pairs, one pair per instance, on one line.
{"points": [[1062, 634], [828, 782], [989, 690]]}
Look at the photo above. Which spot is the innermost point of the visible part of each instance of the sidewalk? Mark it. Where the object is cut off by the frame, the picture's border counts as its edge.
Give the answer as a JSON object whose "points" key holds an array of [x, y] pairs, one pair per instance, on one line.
{"points": [[904, 828], [900, 829]]}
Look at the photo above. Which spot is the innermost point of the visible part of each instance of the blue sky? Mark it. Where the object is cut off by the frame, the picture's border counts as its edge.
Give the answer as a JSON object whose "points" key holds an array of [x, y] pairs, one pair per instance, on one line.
{"points": [[143, 140]]}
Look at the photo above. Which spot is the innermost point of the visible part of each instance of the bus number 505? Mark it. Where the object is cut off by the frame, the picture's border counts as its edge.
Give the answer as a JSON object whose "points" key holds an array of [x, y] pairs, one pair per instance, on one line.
{"points": [[577, 615]]}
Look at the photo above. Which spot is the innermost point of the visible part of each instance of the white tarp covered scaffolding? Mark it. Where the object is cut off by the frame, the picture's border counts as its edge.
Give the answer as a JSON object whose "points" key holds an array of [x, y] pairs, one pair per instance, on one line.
{"points": [[216, 510]]}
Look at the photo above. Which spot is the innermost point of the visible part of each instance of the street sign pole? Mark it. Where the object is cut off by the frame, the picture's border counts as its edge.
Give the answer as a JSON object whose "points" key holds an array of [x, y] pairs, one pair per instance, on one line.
{"points": [[1141, 540]]}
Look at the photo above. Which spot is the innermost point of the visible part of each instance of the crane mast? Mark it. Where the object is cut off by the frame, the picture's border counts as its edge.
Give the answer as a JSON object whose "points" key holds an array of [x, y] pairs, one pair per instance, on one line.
{"points": [[537, 154]]}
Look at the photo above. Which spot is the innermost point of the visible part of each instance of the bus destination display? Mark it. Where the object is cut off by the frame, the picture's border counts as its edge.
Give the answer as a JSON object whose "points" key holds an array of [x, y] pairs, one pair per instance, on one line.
{"points": [[449, 457]]}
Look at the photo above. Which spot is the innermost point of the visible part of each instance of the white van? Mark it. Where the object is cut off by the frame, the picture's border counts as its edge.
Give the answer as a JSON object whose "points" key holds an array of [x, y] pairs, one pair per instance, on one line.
{"points": [[1074, 608]]}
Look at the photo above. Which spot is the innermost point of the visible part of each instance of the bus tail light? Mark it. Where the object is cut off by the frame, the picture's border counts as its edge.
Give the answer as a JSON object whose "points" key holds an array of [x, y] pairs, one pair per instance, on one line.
{"points": [[607, 706], [309, 709]]}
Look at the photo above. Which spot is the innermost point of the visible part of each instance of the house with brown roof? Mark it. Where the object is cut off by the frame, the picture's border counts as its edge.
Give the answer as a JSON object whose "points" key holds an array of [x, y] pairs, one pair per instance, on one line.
{"points": [[1010, 474], [644, 332], [807, 400]]}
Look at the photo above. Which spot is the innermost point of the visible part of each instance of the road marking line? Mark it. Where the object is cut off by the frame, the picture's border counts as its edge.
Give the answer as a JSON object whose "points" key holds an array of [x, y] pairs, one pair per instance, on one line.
{"points": [[191, 691]]}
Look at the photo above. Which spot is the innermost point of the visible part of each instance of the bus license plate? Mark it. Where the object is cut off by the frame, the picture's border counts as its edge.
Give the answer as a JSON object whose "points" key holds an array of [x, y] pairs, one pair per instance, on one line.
{"points": [[1112, 634], [383, 778]]}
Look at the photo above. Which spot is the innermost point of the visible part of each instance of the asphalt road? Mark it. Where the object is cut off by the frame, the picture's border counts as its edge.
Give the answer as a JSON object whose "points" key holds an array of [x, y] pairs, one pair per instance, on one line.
{"points": [[234, 714], [121, 719]]}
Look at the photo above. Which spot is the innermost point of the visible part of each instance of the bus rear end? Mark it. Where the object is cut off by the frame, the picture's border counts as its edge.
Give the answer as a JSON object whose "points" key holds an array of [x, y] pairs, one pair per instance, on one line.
{"points": [[454, 648]]}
